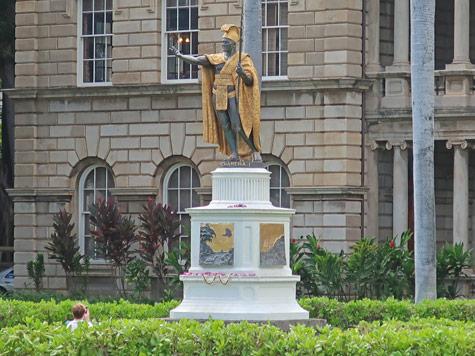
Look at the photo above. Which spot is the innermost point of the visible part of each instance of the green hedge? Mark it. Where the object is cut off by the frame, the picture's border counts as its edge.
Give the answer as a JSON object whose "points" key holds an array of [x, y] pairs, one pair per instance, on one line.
{"points": [[14, 312], [345, 315], [156, 337], [342, 315]]}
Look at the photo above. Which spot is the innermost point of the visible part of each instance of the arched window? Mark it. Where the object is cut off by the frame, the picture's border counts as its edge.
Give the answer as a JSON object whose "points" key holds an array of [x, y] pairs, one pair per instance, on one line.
{"points": [[95, 182], [180, 192], [279, 180]]}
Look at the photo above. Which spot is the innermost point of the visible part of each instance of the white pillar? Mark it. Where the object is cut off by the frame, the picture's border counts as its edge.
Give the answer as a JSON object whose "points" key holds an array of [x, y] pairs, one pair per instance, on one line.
{"points": [[373, 192], [373, 36], [460, 204], [401, 33], [400, 188], [462, 32]]}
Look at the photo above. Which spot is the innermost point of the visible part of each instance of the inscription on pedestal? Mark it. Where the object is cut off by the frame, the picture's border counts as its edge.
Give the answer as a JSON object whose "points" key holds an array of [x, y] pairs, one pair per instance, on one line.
{"points": [[217, 244], [272, 245]]}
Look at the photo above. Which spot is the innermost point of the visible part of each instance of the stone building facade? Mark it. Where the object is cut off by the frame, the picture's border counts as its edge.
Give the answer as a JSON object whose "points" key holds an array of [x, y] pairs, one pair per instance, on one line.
{"points": [[102, 109]]}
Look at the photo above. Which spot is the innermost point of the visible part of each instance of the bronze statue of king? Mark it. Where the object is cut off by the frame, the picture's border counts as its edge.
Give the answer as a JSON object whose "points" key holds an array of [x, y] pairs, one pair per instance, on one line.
{"points": [[230, 98]]}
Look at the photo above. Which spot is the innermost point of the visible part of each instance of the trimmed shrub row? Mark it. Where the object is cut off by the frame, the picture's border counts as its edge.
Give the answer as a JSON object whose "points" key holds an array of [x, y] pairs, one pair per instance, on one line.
{"points": [[188, 337], [14, 312], [342, 315], [345, 315]]}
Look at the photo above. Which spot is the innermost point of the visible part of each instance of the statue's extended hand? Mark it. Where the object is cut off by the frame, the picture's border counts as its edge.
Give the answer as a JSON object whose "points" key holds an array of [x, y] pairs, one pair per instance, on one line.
{"points": [[175, 51], [240, 70]]}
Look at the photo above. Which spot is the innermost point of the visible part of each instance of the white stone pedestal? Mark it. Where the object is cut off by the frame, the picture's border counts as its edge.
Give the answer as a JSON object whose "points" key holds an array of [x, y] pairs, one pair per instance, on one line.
{"points": [[258, 283]]}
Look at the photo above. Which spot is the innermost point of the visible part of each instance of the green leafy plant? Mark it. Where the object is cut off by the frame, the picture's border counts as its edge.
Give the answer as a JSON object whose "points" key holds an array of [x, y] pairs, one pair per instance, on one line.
{"points": [[451, 260], [114, 235], [180, 260], [36, 271], [64, 246], [138, 275], [159, 227]]}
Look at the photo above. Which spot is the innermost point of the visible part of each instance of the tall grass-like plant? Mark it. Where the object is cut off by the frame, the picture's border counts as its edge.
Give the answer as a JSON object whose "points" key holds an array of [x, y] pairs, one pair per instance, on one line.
{"points": [[115, 235], [159, 227]]}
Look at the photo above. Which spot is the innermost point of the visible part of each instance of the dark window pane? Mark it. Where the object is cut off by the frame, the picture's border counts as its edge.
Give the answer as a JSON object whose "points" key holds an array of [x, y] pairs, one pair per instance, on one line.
{"points": [[264, 20], [88, 48], [110, 179], [185, 177], [173, 181], [89, 183], [272, 15], [196, 179], [173, 198], [109, 70], [100, 194], [185, 220], [183, 2], [171, 3], [194, 2], [194, 72], [100, 177], [285, 199], [194, 43], [109, 47], [100, 71], [171, 20], [87, 24], [88, 199], [264, 64], [185, 199], [283, 39], [285, 179], [100, 47], [108, 4], [195, 199], [172, 68], [275, 175], [87, 5], [184, 19], [284, 14], [99, 23], [194, 18], [98, 5], [283, 58], [274, 197], [272, 64], [108, 22], [273, 38], [87, 71]]}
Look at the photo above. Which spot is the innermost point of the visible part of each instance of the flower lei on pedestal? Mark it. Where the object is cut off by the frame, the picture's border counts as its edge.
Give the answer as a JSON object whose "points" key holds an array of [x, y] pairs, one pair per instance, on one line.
{"points": [[210, 277]]}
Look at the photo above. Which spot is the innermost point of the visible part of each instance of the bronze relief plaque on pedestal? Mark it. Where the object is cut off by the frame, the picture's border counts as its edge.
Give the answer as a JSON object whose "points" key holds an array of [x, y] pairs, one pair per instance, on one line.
{"points": [[272, 245], [217, 244]]}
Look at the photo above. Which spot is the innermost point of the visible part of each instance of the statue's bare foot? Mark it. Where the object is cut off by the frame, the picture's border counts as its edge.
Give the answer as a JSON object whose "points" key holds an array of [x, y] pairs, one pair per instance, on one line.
{"points": [[233, 158], [256, 157]]}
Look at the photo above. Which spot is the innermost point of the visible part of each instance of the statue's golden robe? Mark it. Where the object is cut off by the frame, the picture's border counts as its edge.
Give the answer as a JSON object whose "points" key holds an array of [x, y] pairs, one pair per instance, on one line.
{"points": [[249, 103]]}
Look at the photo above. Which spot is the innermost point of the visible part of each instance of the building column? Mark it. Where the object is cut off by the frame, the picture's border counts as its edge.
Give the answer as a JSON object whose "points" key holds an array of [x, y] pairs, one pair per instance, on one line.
{"points": [[401, 33], [461, 191], [462, 33], [400, 187], [373, 64], [372, 224]]}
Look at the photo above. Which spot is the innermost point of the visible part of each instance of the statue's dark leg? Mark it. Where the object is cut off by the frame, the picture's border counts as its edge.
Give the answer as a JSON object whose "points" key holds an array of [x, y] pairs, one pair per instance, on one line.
{"points": [[225, 123], [237, 128]]}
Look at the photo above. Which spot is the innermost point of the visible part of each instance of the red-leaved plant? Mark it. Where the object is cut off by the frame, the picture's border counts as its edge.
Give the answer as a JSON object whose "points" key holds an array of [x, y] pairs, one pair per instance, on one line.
{"points": [[114, 235], [158, 229]]}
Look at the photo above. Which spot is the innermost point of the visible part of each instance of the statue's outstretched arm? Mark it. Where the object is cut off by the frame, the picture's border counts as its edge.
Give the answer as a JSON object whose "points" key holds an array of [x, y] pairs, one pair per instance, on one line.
{"points": [[199, 60]]}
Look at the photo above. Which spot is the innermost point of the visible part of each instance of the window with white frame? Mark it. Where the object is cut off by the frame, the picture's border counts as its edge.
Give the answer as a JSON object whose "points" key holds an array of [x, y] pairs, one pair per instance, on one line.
{"points": [[95, 27], [274, 38], [180, 193], [181, 32], [95, 182], [279, 180]]}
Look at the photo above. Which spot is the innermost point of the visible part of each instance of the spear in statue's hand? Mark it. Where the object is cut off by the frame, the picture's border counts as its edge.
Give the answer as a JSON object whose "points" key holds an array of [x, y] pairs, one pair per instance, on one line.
{"points": [[240, 52]]}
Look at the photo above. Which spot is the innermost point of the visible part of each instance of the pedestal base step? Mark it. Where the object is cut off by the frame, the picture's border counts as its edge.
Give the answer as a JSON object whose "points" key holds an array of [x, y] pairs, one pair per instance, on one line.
{"points": [[281, 324]]}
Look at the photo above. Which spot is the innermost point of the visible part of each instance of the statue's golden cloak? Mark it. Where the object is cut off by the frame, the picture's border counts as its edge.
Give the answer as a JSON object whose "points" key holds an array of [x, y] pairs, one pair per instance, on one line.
{"points": [[249, 103]]}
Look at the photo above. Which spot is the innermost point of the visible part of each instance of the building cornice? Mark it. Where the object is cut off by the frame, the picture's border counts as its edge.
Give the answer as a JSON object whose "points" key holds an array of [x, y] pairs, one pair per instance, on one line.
{"points": [[39, 194], [188, 88], [357, 192]]}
